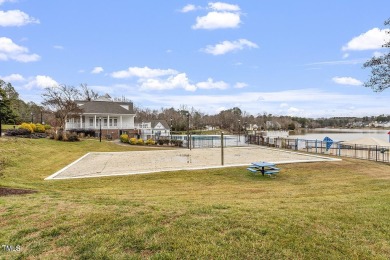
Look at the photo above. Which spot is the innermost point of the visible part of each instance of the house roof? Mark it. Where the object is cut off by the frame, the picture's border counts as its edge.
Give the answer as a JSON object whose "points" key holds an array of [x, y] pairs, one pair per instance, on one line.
{"points": [[106, 107], [163, 122], [154, 123]]}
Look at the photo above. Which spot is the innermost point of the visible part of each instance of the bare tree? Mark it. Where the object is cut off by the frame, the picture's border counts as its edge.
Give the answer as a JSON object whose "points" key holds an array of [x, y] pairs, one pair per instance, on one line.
{"points": [[61, 100], [87, 93], [380, 68]]}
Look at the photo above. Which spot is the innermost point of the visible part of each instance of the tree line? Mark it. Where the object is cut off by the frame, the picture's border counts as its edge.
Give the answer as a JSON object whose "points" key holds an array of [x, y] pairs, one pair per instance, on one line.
{"points": [[59, 103], [14, 110]]}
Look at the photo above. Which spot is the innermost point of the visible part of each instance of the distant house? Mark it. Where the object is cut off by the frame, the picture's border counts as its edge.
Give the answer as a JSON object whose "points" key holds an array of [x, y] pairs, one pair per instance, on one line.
{"points": [[381, 124], [154, 129], [113, 117]]}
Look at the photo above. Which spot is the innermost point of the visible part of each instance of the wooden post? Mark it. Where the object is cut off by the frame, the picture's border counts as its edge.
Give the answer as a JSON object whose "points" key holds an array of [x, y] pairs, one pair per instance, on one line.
{"points": [[221, 148]]}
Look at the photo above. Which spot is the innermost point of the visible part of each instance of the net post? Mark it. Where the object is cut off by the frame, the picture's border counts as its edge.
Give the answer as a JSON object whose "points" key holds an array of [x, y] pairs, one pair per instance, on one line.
{"points": [[221, 148]]}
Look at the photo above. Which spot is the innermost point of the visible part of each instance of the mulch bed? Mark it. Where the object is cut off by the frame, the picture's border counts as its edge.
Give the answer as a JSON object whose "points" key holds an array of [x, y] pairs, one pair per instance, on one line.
{"points": [[10, 191]]}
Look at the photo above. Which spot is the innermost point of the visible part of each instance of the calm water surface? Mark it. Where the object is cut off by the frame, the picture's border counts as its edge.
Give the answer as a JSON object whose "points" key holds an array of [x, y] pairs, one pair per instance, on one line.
{"points": [[341, 134]]}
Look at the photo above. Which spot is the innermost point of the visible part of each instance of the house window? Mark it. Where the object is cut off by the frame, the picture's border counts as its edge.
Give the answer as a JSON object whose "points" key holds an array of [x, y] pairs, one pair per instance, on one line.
{"points": [[115, 121], [90, 121], [105, 121]]}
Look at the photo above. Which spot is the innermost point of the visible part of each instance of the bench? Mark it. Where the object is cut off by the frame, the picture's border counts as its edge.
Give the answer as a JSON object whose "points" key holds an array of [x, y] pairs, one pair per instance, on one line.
{"points": [[271, 172], [252, 169]]}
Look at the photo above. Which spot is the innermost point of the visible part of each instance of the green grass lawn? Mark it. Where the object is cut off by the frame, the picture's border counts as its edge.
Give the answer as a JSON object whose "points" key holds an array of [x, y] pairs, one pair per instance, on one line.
{"points": [[6, 127], [325, 210]]}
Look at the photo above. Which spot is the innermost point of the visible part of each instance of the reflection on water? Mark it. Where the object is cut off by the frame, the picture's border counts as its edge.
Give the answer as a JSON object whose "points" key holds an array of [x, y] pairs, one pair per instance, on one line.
{"points": [[340, 134]]}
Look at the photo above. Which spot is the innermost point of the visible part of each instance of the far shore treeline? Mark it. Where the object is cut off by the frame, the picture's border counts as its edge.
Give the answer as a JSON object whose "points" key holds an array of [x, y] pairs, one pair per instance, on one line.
{"points": [[14, 111]]}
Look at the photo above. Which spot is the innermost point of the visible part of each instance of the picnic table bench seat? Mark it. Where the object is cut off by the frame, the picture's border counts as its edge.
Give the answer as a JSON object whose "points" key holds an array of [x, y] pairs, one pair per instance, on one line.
{"points": [[271, 172], [252, 169]]}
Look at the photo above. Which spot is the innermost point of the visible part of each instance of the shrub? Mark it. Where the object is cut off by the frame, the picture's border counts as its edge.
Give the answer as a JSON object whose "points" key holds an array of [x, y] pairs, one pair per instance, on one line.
{"points": [[133, 140], [177, 142], [58, 135], [38, 135], [33, 126], [124, 138], [71, 137], [47, 127], [18, 132], [140, 141], [86, 132], [26, 126], [160, 142], [40, 128], [150, 142], [64, 136]]}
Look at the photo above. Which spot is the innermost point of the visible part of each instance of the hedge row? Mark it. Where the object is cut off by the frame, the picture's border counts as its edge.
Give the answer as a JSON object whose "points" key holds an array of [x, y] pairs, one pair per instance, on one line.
{"points": [[84, 132], [35, 128], [64, 136], [134, 141]]}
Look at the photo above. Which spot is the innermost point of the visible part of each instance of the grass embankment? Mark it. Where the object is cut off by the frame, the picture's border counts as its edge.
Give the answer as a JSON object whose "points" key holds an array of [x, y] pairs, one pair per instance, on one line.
{"points": [[330, 210]]}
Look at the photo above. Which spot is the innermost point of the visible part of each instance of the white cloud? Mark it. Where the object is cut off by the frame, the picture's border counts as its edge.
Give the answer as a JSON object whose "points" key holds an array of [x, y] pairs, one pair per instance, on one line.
{"points": [[42, 82], [345, 55], [219, 6], [166, 79], [144, 72], [370, 40], [177, 81], [15, 18], [293, 110], [228, 46], [11, 51], [58, 47], [4, 1], [189, 8], [347, 81], [97, 70], [13, 78], [283, 105], [240, 85], [210, 84], [217, 20]]}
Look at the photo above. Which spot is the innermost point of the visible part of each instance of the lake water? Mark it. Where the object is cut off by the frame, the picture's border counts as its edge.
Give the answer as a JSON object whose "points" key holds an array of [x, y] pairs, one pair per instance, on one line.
{"points": [[341, 134]]}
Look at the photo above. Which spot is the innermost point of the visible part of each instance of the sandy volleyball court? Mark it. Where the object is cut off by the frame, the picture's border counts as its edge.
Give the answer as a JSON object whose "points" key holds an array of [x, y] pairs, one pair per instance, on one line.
{"points": [[126, 163]]}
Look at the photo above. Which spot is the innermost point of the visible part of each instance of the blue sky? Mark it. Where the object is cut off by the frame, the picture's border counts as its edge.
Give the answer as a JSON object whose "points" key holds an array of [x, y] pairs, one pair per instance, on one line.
{"points": [[297, 58]]}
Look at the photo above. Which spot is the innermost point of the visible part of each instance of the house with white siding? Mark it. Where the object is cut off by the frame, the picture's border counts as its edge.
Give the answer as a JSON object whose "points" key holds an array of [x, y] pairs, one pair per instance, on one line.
{"points": [[154, 129], [112, 117]]}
